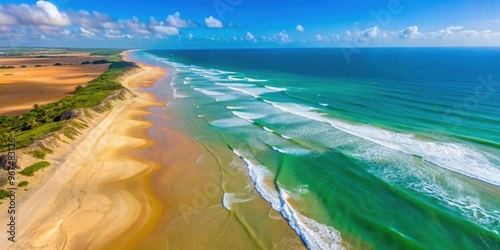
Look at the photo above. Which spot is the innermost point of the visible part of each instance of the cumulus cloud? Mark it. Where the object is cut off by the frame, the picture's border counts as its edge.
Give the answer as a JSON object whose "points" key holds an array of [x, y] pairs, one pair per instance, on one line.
{"points": [[176, 21], [211, 22], [190, 36], [281, 37], [364, 35], [300, 28], [166, 30], [41, 14], [410, 33], [93, 21], [250, 37]]}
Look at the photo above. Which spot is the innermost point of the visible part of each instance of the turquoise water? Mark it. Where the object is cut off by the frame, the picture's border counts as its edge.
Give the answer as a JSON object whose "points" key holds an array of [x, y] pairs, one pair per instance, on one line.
{"points": [[398, 149]]}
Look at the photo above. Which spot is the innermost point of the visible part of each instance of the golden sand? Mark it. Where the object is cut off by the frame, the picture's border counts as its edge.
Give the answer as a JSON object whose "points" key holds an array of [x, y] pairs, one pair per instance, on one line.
{"points": [[98, 191], [119, 189], [21, 88]]}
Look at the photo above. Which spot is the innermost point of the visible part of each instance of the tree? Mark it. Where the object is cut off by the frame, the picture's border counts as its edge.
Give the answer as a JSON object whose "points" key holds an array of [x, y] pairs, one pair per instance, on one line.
{"points": [[31, 123], [45, 118]]}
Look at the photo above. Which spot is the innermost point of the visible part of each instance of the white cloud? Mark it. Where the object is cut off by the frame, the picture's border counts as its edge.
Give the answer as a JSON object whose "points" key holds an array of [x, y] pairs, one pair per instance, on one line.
{"points": [[134, 26], [250, 37], [166, 30], [49, 15], [5, 18], [86, 33], [321, 38], [281, 37], [364, 35], [211, 22], [455, 27], [300, 28], [95, 21], [410, 33], [176, 21], [190, 36], [42, 14]]}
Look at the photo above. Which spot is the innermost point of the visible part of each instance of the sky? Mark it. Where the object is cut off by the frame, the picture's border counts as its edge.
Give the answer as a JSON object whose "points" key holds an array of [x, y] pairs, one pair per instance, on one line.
{"points": [[249, 23]]}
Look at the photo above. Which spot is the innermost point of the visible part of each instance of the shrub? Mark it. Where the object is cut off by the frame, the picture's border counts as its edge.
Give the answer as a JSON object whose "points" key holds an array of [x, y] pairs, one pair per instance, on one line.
{"points": [[38, 154], [86, 62], [78, 88], [100, 62], [23, 184], [57, 64], [30, 171], [4, 194]]}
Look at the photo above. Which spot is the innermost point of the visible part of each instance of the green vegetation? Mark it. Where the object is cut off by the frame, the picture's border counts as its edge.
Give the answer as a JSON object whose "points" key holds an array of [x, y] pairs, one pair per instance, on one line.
{"points": [[40, 154], [4, 194], [38, 66], [46, 118], [109, 52], [57, 64], [23, 184], [6, 67], [30, 171], [54, 52], [100, 62]]}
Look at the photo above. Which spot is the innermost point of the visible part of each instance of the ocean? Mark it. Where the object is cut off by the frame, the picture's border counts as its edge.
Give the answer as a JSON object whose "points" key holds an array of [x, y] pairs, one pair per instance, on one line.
{"points": [[397, 149]]}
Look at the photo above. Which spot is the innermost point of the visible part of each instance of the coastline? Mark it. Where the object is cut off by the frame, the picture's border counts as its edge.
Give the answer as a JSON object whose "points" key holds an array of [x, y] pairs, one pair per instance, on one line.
{"points": [[101, 193], [193, 183], [90, 196]]}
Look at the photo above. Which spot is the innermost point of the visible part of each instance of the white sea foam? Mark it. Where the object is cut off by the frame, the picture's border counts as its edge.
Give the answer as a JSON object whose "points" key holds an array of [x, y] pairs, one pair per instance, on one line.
{"points": [[452, 156], [290, 150], [235, 84], [268, 129], [230, 123], [246, 194], [179, 96], [255, 92], [255, 80], [224, 72], [235, 78], [248, 116], [218, 96], [323, 104], [314, 234], [275, 88]]}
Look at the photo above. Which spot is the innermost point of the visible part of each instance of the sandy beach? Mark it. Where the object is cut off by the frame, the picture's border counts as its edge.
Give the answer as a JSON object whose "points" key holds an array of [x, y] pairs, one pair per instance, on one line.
{"points": [[134, 181], [92, 195]]}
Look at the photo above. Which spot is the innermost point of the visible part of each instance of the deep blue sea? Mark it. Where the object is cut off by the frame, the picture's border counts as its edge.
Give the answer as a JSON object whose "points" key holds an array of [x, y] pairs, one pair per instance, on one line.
{"points": [[397, 149]]}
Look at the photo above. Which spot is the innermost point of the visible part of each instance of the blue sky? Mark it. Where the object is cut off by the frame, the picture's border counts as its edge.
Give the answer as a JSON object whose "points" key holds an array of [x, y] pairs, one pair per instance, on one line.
{"points": [[249, 23]]}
